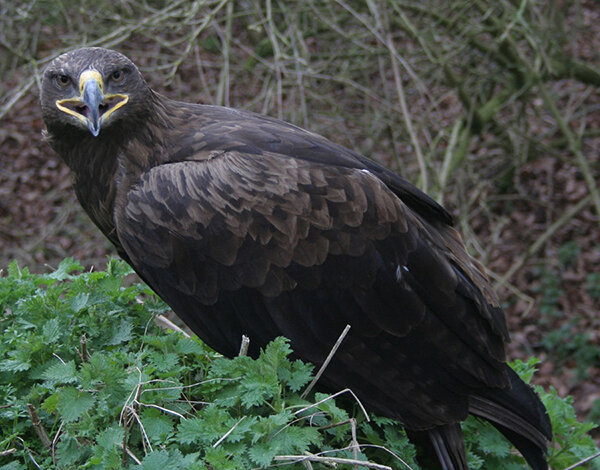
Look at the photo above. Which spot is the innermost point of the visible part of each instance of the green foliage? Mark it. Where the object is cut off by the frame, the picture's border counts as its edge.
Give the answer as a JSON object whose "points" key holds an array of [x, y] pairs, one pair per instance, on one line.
{"points": [[551, 292], [567, 344], [84, 350], [592, 282], [487, 449]]}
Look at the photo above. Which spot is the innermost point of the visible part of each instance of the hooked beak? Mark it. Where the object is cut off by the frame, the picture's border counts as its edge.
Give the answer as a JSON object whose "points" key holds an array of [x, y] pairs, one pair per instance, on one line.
{"points": [[92, 108]]}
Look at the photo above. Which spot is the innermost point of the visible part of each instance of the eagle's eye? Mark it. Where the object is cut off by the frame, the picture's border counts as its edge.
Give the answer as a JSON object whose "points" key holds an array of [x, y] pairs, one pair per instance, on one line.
{"points": [[117, 76], [63, 80]]}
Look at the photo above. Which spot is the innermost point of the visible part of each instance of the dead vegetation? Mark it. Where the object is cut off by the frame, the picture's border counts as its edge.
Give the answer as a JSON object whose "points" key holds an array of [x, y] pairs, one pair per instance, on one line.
{"points": [[492, 107]]}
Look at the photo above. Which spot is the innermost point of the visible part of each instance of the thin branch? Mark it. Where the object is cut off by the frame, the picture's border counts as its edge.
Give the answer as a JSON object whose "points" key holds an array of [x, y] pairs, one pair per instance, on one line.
{"points": [[168, 324], [38, 426], [550, 231], [224, 436], [406, 114], [331, 460], [244, 346], [327, 361], [83, 351], [574, 147], [419, 84], [586, 460], [331, 397], [132, 455], [21, 91]]}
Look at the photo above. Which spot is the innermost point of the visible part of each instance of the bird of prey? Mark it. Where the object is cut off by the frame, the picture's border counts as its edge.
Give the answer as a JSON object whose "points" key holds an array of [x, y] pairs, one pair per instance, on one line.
{"points": [[248, 225]]}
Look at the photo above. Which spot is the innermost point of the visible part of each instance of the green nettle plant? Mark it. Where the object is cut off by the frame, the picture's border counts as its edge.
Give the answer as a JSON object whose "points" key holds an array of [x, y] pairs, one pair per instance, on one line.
{"points": [[88, 380]]}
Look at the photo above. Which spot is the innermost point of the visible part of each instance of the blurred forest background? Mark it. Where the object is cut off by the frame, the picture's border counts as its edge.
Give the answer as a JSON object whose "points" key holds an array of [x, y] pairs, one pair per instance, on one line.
{"points": [[492, 107]]}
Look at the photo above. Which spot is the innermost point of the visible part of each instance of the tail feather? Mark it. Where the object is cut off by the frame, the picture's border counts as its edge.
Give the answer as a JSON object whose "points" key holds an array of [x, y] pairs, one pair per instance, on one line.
{"points": [[441, 447], [516, 411], [520, 416]]}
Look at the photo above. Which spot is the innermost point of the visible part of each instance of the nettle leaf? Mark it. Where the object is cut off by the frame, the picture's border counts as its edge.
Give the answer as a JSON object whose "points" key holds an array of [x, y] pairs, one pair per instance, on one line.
{"points": [[66, 266], [491, 441], [51, 331], [156, 424], [206, 429], [73, 403], [190, 346], [243, 429], [221, 459], [60, 372], [475, 462], [121, 332], [107, 451], [164, 362], [258, 387], [329, 406], [276, 352], [51, 403], [297, 375], [269, 425], [397, 441], [13, 466], [79, 301], [103, 369], [296, 439], [229, 368], [158, 460], [525, 369], [69, 451], [263, 453], [15, 365]]}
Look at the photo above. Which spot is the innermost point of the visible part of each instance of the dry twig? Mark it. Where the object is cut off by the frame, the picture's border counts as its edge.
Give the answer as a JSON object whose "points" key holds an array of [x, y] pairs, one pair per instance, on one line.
{"points": [[327, 361]]}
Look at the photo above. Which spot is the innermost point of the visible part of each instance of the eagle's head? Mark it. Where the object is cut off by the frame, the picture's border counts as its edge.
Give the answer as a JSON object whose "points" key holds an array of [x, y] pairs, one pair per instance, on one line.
{"points": [[91, 90]]}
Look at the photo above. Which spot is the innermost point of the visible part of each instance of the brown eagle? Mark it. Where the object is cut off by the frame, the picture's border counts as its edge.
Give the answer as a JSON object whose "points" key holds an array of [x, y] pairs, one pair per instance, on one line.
{"points": [[245, 224]]}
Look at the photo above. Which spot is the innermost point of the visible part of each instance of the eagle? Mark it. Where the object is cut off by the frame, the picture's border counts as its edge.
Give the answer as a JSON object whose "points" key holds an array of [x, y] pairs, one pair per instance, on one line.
{"points": [[248, 225]]}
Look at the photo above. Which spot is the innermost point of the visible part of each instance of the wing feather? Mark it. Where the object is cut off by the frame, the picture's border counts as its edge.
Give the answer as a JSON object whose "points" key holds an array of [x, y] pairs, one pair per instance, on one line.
{"points": [[214, 228]]}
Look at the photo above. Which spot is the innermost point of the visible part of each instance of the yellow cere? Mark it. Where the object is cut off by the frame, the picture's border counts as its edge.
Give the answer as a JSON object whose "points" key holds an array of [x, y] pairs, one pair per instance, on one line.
{"points": [[90, 75]]}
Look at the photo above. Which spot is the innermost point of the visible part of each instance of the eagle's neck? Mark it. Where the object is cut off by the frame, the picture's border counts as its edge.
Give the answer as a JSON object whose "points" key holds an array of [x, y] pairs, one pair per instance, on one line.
{"points": [[102, 166]]}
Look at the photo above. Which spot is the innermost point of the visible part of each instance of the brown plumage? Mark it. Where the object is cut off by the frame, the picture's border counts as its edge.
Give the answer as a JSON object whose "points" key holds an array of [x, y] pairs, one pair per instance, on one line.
{"points": [[245, 224]]}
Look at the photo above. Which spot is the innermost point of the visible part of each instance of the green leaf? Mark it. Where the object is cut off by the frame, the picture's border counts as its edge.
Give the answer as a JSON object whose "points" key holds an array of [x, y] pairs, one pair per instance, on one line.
{"points": [[60, 372], [525, 369], [164, 362], [79, 301], [107, 451], [51, 403], [492, 442], [51, 331], [296, 439], [297, 376], [189, 346], [221, 459], [121, 332], [263, 453], [72, 403], [157, 425], [69, 451], [66, 266], [158, 460], [13, 466], [14, 365]]}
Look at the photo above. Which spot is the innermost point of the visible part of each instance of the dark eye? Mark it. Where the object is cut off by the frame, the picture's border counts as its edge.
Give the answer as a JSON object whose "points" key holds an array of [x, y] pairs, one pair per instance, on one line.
{"points": [[117, 76], [63, 80]]}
